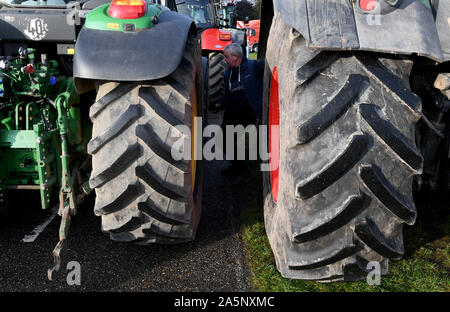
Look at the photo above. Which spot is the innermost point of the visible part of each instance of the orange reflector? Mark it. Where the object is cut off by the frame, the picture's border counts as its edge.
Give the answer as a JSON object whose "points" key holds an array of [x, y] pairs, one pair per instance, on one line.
{"points": [[127, 9], [224, 35]]}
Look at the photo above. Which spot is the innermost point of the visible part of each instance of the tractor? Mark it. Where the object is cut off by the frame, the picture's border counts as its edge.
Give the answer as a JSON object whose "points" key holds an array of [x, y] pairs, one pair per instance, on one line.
{"points": [[214, 38], [228, 22], [356, 100], [91, 93], [213, 41]]}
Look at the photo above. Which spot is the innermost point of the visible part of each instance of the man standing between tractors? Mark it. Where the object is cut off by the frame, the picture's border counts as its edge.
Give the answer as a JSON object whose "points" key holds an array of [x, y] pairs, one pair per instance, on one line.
{"points": [[242, 100]]}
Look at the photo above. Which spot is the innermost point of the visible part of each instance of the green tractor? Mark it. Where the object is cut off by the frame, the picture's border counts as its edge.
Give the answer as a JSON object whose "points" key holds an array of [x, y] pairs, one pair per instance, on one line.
{"points": [[91, 94], [41, 127]]}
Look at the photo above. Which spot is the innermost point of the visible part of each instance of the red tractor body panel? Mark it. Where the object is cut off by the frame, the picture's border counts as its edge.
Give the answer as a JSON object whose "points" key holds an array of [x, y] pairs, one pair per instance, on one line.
{"points": [[214, 39]]}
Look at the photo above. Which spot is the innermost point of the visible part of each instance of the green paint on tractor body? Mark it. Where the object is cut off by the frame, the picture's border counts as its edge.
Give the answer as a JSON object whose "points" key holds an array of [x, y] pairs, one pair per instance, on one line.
{"points": [[38, 107], [99, 19], [43, 136]]}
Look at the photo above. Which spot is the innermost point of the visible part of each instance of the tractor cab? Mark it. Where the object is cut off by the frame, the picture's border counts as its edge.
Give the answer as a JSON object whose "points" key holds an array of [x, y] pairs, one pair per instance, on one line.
{"points": [[201, 11]]}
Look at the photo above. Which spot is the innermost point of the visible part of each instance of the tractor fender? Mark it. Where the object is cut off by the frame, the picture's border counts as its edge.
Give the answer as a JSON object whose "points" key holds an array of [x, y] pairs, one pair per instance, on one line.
{"points": [[131, 56], [443, 26], [406, 28], [211, 41]]}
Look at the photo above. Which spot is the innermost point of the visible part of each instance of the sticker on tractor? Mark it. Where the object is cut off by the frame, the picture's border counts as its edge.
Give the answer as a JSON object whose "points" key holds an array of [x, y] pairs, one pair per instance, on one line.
{"points": [[9, 19], [36, 29], [113, 26]]}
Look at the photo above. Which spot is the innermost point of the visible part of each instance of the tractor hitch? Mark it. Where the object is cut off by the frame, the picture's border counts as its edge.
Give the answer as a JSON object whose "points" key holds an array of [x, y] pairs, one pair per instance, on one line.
{"points": [[67, 209], [65, 212]]}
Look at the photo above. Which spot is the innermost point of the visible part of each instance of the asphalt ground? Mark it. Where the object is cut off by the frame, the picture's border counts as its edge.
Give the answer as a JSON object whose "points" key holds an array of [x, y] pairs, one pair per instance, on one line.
{"points": [[214, 261]]}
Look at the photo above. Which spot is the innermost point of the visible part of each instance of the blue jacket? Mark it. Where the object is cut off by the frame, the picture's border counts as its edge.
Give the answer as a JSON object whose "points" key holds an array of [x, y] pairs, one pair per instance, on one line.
{"points": [[252, 76]]}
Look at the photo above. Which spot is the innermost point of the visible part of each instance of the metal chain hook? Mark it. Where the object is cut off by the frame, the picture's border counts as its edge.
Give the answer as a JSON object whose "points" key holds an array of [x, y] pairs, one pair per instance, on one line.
{"points": [[56, 261], [63, 231]]}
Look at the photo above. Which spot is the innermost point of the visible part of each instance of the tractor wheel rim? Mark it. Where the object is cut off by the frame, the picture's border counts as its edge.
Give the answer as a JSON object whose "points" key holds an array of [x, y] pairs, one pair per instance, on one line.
{"points": [[193, 138], [274, 134]]}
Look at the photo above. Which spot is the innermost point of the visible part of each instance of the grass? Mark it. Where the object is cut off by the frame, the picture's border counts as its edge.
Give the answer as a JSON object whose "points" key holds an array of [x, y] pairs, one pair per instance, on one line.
{"points": [[425, 266], [253, 56]]}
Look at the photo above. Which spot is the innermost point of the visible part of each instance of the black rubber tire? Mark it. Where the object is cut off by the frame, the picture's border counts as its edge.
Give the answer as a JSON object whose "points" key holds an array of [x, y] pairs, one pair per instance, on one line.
{"points": [[205, 74], [347, 158], [217, 67], [142, 193]]}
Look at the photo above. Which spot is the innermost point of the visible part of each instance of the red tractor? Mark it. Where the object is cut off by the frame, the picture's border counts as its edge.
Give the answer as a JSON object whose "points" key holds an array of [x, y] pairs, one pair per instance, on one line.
{"points": [[213, 41]]}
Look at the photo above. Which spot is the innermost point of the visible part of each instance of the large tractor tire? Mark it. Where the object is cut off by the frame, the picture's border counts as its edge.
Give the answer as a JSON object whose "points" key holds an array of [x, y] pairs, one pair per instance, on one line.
{"points": [[205, 74], [217, 67], [346, 158], [143, 194]]}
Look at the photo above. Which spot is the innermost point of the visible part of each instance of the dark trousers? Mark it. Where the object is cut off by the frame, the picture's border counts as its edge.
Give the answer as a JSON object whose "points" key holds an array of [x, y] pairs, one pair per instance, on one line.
{"points": [[237, 112], [237, 164]]}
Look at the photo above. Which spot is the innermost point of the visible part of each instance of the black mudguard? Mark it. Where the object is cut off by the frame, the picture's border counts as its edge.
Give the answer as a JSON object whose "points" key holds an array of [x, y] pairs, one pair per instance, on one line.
{"points": [[443, 26], [125, 56], [341, 25]]}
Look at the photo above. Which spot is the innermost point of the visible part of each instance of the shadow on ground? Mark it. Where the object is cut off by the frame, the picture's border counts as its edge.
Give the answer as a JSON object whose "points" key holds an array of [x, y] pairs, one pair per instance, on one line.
{"points": [[214, 261]]}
